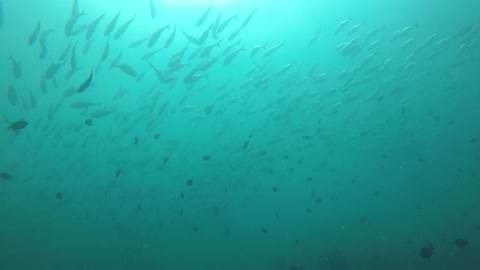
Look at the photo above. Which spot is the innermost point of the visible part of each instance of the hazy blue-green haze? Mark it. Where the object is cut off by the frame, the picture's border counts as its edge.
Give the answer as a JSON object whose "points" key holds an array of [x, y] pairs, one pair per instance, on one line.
{"points": [[357, 149]]}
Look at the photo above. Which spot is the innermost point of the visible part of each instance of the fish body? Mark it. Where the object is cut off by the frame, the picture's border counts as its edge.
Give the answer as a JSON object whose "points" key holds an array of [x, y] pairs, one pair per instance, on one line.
{"points": [[105, 52], [249, 17], [313, 39], [156, 35], [341, 25], [234, 34], [82, 104], [190, 37], [16, 67], [42, 39], [121, 30], [137, 43], [205, 52], [100, 113], [204, 16], [4, 175], [34, 34], [12, 95], [52, 70], [127, 69], [171, 37], [255, 49], [73, 57], [228, 59], [86, 83], [17, 125], [68, 28], [163, 76], [273, 50], [153, 10], [93, 26], [225, 23], [65, 51], [111, 25]]}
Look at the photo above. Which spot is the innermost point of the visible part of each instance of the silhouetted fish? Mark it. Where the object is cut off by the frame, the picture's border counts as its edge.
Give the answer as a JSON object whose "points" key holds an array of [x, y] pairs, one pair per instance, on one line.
{"points": [[86, 83]]}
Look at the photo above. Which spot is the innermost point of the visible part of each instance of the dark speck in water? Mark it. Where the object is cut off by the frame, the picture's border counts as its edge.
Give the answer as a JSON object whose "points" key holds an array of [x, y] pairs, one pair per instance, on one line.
{"points": [[206, 158], [189, 182], [59, 195]]}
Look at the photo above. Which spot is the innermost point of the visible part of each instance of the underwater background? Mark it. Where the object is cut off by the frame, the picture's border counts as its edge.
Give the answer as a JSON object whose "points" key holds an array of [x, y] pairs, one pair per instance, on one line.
{"points": [[234, 134]]}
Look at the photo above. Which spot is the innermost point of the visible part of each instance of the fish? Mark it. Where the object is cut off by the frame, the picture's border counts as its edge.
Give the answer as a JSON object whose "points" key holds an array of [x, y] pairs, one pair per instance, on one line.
{"points": [[111, 24], [229, 48], [341, 25], [249, 17], [353, 29], [121, 30], [74, 11], [86, 83], [93, 26], [83, 104], [163, 76], [34, 34], [5, 176], [127, 69], [215, 26], [151, 53], [43, 53], [68, 28], [106, 50], [371, 33], [69, 92], [205, 52], [42, 39], [190, 37], [100, 113], [461, 242], [88, 122], [86, 47], [225, 23], [207, 64], [153, 10], [228, 59], [427, 252], [33, 100], [204, 35], [406, 43], [43, 85], [16, 67], [17, 125], [12, 95], [204, 16], [313, 39], [115, 60], [234, 34], [65, 51], [255, 49], [171, 37], [156, 35], [53, 69], [137, 43], [404, 31], [73, 57], [272, 50]]}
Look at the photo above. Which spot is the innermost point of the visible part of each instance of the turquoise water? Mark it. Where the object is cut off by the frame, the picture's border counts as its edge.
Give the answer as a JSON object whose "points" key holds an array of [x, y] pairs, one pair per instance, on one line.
{"points": [[354, 144]]}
